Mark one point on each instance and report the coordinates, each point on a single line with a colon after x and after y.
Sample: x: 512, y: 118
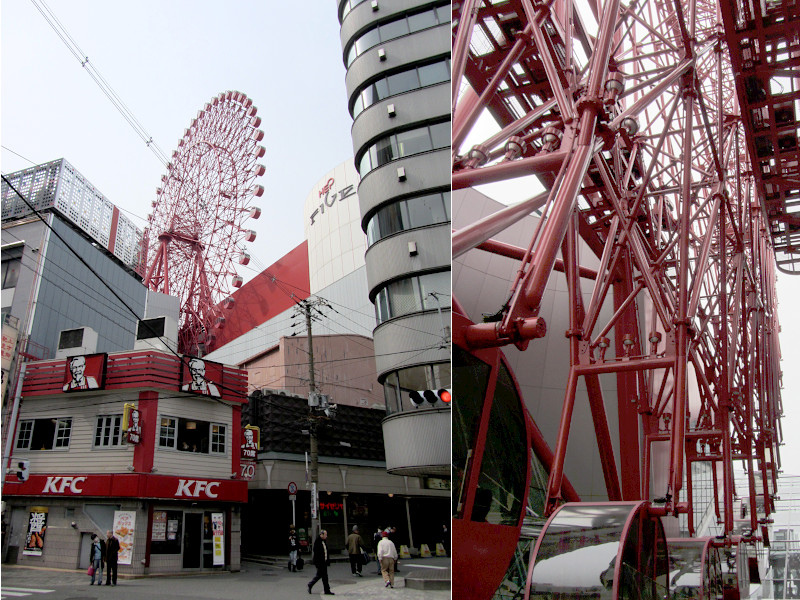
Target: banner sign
x: 250, y: 442
x: 159, y: 532
x: 84, y: 372
x: 131, y: 485
x: 218, y: 530
x: 37, y: 526
x: 201, y: 377
x: 124, y: 526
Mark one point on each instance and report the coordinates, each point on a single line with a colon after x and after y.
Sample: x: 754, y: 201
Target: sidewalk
x: 254, y: 580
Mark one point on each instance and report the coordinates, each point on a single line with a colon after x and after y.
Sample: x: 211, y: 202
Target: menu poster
x: 159, y: 533
x: 172, y: 529
x: 218, y: 529
x: 124, y: 524
x: 37, y: 525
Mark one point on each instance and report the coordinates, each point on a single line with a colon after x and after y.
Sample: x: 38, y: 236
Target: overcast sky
x: 166, y: 59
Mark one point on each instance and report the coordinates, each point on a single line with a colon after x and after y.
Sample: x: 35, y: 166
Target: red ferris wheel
x: 196, y: 231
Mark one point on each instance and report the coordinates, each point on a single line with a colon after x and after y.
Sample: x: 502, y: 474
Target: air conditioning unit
x: 72, y: 342
x: 158, y: 333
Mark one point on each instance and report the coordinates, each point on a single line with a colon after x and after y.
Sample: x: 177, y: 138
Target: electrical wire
x: 97, y: 77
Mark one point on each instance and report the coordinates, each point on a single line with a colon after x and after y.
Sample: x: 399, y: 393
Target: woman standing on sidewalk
x: 387, y: 555
x: 97, y: 559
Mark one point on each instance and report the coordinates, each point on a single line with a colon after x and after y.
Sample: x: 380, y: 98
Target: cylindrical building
x: 397, y: 55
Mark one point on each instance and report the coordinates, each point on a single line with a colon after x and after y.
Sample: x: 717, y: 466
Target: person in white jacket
x: 387, y: 555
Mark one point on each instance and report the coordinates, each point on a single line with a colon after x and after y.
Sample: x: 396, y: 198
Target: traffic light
x: 22, y: 470
x: 417, y: 397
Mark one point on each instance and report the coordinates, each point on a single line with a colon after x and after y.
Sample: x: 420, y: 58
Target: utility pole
x: 312, y: 429
x: 318, y: 409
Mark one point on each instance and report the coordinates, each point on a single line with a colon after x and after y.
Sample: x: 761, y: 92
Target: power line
x: 38, y: 214
x: 97, y: 77
x: 18, y: 154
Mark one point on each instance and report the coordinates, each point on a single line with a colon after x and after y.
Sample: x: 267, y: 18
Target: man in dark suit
x: 112, y: 556
x: 321, y: 561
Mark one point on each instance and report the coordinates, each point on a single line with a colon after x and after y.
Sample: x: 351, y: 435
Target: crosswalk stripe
x: 7, y: 593
x: 31, y: 590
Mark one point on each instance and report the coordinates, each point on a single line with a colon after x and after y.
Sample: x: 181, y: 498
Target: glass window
x: 403, y: 82
x: 358, y: 105
x: 108, y: 431
x: 24, y: 435
x: 471, y: 378
x: 365, y: 166
x: 10, y: 274
x: 368, y: 40
x: 422, y: 21
x: 393, y: 29
x: 406, y: 296
x: 218, y: 439
x: 413, y: 142
x: 166, y: 434
x: 44, y: 434
x: 501, y: 486
x: 440, y: 134
x: 192, y: 435
x: 435, y: 283
x: 63, y: 431
x: 426, y: 210
x: 434, y: 73
x: 384, y: 152
x: 403, y: 296
x: 408, y: 214
x: 443, y: 13
x: 382, y: 312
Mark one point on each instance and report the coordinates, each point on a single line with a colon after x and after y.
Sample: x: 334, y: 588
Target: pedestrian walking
x: 355, y: 550
x: 97, y: 558
x: 294, y: 546
x: 321, y: 561
x: 392, y: 531
x: 112, y: 556
x: 387, y: 556
x: 376, y: 539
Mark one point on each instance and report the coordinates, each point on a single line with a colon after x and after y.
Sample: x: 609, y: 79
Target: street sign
x: 292, y: 488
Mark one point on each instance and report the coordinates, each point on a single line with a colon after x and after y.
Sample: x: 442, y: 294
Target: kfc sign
x: 250, y: 442
x: 59, y: 485
x: 192, y: 488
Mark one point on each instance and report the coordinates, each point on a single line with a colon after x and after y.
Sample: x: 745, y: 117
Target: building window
x: 401, y: 82
x: 10, y: 274
x: 407, y: 143
x: 192, y: 435
x: 396, y: 28
x: 108, y: 431
x: 217, y: 439
x: 166, y: 434
x: 44, y: 434
x: 399, y: 384
x: 431, y: 209
x: 414, y: 294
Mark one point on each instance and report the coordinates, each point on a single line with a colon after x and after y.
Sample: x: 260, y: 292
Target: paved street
x: 254, y: 581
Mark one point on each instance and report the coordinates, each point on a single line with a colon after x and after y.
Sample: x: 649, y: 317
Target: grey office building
x: 397, y: 55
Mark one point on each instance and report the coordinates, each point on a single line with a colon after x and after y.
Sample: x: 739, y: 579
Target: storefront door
x: 192, y: 540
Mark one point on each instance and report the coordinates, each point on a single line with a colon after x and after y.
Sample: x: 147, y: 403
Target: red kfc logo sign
x: 192, y: 488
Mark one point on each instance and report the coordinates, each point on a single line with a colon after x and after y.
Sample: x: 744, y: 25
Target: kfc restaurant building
x: 135, y: 442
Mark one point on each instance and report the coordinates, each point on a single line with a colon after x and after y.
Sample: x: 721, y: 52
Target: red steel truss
x: 197, y: 227
x: 637, y: 131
